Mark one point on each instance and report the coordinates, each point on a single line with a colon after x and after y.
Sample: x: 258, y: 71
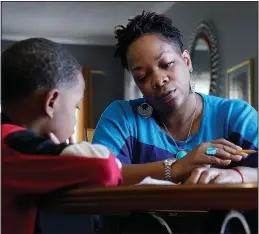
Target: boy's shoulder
x: 25, y: 141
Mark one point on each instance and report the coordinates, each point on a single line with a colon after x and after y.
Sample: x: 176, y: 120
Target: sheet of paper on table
x: 149, y: 180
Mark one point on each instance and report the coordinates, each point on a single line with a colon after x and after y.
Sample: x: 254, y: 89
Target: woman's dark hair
x: 36, y: 64
x: 146, y: 23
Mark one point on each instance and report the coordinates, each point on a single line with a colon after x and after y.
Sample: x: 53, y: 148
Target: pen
x: 248, y: 151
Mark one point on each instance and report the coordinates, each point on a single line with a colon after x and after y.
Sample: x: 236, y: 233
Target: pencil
x: 248, y: 151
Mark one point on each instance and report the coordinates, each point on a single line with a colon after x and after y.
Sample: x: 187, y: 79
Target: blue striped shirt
x: 134, y: 139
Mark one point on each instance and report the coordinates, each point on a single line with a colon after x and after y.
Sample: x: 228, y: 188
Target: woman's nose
x: 159, y: 79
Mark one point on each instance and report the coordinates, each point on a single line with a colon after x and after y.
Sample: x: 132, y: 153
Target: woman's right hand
x: 226, y: 152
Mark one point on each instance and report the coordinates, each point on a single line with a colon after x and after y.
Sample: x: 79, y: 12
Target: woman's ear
x: 187, y: 59
x: 51, y: 102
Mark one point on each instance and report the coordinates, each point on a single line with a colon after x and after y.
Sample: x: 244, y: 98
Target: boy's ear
x: 51, y: 102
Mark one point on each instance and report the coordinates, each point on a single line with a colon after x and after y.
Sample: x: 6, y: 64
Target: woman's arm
x: 115, y: 131
x: 134, y: 173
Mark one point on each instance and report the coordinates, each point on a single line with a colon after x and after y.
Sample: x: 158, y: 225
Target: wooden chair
x: 90, y: 133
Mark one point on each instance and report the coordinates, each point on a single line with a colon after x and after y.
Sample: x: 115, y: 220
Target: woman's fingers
x: 193, y: 179
x: 53, y: 138
x: 219, y: 179
x: 226, y: 143
x: 208, y: 175
x: 215, y: 161
x: 202, y: 175
x: 231, y: 150
x: 226, y: 152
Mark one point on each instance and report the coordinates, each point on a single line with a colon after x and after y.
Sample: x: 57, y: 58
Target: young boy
x: 42, y: 85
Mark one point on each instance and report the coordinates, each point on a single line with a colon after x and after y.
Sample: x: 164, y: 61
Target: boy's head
x: 42, y: 85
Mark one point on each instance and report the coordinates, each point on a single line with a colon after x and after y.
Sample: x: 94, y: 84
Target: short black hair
x: 145, y: 23
x: 36, y: 64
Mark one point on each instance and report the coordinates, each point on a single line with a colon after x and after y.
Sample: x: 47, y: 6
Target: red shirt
x: 33, y: 166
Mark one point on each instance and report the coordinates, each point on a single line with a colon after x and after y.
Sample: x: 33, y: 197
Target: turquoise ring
x: 211, y: 151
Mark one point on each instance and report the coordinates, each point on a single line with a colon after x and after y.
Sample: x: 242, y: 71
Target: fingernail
x: 238, y: 147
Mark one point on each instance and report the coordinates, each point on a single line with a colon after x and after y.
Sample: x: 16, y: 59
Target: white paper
x: 149, y: 180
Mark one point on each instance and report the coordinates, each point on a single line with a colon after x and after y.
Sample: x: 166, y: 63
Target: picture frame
x: 240, y: 79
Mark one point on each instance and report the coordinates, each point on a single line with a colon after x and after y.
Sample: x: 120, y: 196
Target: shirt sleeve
x: 113, y: 131
x: 32, y: 171
x: 243, y: 130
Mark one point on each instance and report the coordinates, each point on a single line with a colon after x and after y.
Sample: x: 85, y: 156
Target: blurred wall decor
x: 240, y: 80
x: 237, y: 36
x: 203, y: 47
x: 131, y: 91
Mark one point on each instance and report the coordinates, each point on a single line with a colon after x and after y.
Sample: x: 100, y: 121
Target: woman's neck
x: 182, y: 122
x: 184, y: 114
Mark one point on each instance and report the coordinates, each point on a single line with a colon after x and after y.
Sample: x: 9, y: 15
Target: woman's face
x: 161, y: 72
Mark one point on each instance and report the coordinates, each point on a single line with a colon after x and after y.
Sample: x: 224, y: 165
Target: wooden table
x: 154, y: 198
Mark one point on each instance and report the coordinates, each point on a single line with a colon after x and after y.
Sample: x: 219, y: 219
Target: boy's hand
x: 53, y: 138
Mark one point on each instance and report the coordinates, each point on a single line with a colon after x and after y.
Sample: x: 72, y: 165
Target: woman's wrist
x: 176, y: 172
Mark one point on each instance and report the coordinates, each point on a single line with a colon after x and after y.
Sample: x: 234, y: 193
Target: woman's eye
x: 167, y: 65
x: 141, y: 79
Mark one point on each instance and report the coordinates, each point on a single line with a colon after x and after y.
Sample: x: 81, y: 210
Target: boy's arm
x: 32, y: 164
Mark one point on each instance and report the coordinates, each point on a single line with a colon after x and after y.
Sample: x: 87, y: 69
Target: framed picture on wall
x: 240, y: 81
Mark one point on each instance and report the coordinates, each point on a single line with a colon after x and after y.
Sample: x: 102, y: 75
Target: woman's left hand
x: 205, y: 175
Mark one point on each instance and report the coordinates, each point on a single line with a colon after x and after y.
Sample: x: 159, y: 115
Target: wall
x: 237, y: 31
x: 105, y: 88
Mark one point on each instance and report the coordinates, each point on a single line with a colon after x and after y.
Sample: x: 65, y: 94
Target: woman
x: 172, y: 121
x: 174, y: 133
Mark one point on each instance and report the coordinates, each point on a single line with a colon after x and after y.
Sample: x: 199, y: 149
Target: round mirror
x: 205, y: 59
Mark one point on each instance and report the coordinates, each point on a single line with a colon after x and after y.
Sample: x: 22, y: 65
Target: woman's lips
x: 169, y: 96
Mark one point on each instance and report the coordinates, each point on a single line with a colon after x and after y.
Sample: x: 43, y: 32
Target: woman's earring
x: 145, y: 110
x: 192, y: 85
